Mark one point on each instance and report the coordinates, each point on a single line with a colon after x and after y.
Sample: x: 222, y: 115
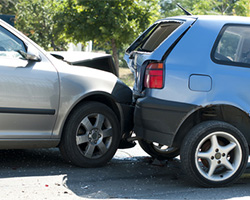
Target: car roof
x: 212, y: 18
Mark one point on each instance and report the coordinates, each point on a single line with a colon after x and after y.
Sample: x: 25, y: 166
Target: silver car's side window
x: 10, y: 44
x: 233, y: 46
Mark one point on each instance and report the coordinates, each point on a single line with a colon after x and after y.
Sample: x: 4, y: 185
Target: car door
x: 29, y: 91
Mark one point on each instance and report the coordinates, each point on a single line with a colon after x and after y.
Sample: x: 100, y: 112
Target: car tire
x: 91, y: 135
x: 156, y: 150
x: 214, y: 154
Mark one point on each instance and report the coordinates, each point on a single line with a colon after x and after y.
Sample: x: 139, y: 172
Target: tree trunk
x: 56, y: 48
x: 115, y: 55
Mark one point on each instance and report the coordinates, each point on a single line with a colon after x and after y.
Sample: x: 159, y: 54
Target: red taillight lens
x: 154, y: 76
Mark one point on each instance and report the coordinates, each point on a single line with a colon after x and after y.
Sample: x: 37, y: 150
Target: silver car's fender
x: 77, y: 83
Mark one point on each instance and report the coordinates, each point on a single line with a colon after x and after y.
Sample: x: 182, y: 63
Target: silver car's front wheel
x: 94, y: 135
x: 214, y: 153
x: 91, y: 135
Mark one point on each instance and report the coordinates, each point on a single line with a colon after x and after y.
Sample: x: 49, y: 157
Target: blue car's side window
x: 10, y: 45
x: 232, y: 46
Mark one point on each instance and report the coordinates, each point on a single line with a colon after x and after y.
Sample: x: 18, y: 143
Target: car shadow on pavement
x: 124, y: 178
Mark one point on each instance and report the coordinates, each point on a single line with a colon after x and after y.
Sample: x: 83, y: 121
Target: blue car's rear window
x: 153, y: 36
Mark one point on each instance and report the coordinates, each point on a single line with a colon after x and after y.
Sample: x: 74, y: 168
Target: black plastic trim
x: 28, y: 111
x: 128, y: 113
x: 122, y: 93
x: 158, y: 120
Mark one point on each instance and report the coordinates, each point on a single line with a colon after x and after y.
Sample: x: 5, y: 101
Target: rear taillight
x: 154, y: 76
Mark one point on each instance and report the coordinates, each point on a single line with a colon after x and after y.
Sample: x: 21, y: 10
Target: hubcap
x: 218, y: 156
x: 94, y: 135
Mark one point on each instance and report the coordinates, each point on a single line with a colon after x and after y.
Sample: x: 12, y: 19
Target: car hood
x: 87, y: 79
x: 77, y: 56
x: 90, y: 59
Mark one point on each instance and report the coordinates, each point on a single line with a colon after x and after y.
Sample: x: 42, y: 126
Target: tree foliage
x: 222, y: 7
x: 36, y: 20
x: 170, y: 8
x: 206, y: 7
x: 109, y: 23
x: 8, y: 7
x: 242, y: 7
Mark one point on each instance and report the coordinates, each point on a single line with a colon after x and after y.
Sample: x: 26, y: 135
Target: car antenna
x: 184, y: 10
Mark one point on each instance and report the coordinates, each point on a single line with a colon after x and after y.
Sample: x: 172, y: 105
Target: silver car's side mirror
x: 31, y: 54
x: 28, y: 56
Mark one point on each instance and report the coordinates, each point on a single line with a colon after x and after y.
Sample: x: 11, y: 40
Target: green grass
x: 126, y: 76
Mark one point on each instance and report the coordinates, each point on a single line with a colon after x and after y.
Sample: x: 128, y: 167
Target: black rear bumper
x: 158, y: 120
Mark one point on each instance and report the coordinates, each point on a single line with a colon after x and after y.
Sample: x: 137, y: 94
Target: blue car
x: 191, y: 91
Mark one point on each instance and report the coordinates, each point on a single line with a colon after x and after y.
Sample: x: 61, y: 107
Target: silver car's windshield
x: 9, y: 45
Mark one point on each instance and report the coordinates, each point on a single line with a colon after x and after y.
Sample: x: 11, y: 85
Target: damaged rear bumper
x: 158, y: 120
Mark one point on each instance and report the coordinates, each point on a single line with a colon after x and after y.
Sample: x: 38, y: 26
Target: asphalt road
x: 131, y: 174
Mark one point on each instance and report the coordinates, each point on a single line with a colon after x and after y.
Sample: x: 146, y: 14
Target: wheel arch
x: 100, y: 97
x: 220, y: 112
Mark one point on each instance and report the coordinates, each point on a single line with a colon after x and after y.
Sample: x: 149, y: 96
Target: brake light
x: 154, y: 76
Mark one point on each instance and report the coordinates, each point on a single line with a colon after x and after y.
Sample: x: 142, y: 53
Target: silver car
x: 44, y: 102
